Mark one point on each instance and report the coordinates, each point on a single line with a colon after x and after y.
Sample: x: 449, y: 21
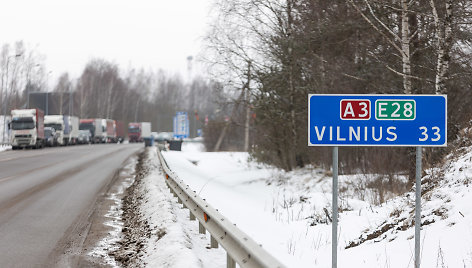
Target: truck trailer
x: 120, y: 131
x: 27, y: 126
x: 111, y: 131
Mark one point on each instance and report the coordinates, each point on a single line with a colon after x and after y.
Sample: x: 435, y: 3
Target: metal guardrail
x: 240, y: 248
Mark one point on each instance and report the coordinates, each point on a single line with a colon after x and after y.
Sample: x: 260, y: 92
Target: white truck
x: 27, y: 128
x: 71, y: 129
x: 98, y: 128
x: 56, y: 122
x: 66, y: 126
x: 146, y: 130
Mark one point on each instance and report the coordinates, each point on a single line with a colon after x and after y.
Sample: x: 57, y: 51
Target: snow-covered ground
x: 175, y: 240
x: 287, y: 212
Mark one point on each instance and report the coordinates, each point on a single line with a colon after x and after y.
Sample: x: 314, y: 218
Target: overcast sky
x: 157, y: 34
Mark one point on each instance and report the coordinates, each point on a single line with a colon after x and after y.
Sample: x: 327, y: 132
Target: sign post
x: 334, y: 227
x: 419, y: 154
x: 377, y: 120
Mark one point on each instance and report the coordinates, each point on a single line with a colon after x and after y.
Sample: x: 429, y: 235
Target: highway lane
x: 47, y: 197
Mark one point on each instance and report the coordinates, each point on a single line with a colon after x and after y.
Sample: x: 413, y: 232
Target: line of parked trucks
x: 30, y: 128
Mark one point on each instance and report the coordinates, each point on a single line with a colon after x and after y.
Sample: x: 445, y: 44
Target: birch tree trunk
x: 443, y: 34
x: 393, y: 38
x: 406, y: 62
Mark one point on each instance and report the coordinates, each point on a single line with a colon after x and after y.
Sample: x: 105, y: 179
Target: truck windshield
x: 55, y: 126
x: 22, y: 123
x: 87, y: 126
x: 133, y: 130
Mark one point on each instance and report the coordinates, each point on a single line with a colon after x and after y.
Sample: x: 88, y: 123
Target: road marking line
x: 6, y: 178
x: 30, y: 155
x: 7, y: 159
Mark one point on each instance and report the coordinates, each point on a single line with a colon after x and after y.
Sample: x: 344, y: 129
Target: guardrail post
x: 230, y: 263
x: 213, y: 242
x: 174, y: 193
x: 201, y: 228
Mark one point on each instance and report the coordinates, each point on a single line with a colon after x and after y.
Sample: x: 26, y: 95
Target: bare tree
x: 444, y: 42
x: 400, y: 40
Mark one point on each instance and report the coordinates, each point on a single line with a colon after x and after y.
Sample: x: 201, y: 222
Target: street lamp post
x: 6, y: 96
x: 47, y: 93
x: 28, y: 87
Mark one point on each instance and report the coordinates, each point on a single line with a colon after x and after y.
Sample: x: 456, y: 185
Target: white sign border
x: 374, y: 95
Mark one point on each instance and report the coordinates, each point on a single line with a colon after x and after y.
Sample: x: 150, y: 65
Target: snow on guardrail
x: 240, y: 248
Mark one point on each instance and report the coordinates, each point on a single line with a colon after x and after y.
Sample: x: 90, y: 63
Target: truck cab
x: 27, y: 126
x: 134, y: 132
x: 97, y: 127
x: 56, y: 122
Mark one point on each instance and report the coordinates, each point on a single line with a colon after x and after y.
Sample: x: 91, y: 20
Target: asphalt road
x: 47, y: 197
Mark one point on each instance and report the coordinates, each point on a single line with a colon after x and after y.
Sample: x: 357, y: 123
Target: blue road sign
x: 377, y: 120
x: 181, y: 125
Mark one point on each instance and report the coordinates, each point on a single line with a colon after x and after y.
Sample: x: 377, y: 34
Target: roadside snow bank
x: 157, y: 231
x: 288, y: 212
x: 175, y: 241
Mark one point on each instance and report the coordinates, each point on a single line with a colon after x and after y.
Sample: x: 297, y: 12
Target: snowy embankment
x: 176, y: 242
x: 289, y: 212
x: 151, y: 229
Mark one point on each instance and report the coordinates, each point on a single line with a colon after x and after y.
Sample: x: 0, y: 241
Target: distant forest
x: 103, y: 90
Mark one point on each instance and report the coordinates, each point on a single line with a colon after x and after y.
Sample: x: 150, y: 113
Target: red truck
x: 27, y: 127
x: 138, y: 131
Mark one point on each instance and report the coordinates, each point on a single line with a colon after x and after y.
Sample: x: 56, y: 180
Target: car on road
x: 51, y: 136
x: 85, y: 136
